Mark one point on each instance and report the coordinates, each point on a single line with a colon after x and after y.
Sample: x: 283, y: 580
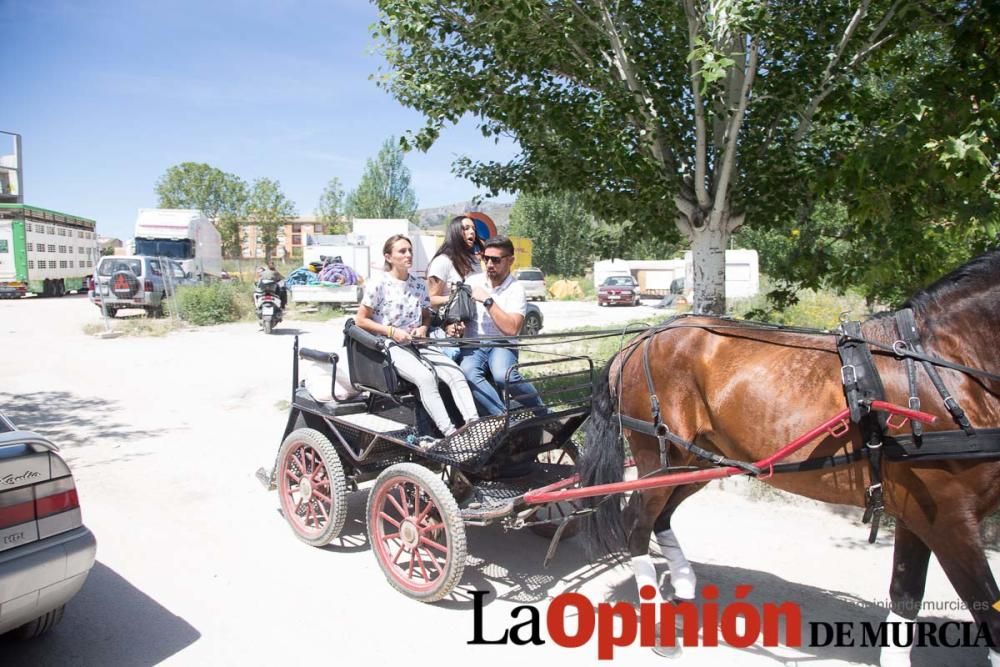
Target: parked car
x: 46, y: 552
x: 533, y: 281
x: 136, y: 282
x: 532, y: 320
x: 618, y: 289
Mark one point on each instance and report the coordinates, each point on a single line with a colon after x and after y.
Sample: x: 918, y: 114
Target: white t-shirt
x: 442, y: 268
x: 509, y: 296
x: 399, y: 303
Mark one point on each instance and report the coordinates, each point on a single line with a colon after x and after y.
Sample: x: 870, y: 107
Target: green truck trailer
x: 44, y: 252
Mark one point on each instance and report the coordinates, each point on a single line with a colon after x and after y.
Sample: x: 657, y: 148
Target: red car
x: 618, y: 290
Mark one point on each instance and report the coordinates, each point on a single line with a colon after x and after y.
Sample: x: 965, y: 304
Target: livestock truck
x: 44, y: 252
x: 185, y: 235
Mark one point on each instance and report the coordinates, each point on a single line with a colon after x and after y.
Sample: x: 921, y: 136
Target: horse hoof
x: 666, y: 650
x: 672, y: 652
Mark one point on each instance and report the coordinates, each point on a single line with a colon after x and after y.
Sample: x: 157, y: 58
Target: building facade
x: 291, y: 238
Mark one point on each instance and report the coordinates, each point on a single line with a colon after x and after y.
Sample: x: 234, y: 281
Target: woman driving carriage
x: 396, y: 305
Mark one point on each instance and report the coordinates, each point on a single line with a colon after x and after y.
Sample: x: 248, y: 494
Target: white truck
x: 44, y: 252
x: 185, y: 235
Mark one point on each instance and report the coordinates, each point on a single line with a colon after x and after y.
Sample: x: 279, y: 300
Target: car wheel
x: 416, y: 532
x: 532, y: 324
x: 555, y: 512
x: 312, y: 487
x: 40, y: 625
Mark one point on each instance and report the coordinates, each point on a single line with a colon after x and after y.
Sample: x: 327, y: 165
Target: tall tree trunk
x: 708, y: 247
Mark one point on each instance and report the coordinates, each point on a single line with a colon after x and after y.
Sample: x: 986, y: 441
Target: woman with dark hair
x: 395, y: 305
x: 454, y: 261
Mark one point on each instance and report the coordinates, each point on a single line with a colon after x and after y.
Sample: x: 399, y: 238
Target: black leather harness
x: 862, y: 385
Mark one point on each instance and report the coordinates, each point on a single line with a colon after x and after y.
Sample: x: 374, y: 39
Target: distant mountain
x: 437, y: 218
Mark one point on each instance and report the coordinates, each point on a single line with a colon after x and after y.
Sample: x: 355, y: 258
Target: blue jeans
x: 480, y: 364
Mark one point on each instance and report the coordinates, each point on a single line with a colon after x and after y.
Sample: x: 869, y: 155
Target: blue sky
x: 107, y: 94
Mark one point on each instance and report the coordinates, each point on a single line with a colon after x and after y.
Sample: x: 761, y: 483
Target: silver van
x: 533, y: 281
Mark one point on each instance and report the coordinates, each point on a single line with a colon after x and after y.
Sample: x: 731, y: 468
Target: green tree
x: 219, y: 195
x: 384, y: 190
x: 270, y: 210
x: 330, y: 210
x: 560, y: 228
x: 686, y: 119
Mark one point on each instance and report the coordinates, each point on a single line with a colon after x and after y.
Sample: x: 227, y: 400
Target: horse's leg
x: 642, y: 516
x: 956, y: 543
x: 682, y: 576
x: 910, y: 557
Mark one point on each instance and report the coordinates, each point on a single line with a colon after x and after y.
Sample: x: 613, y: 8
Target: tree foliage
x: 692, y: 117
x: 270, y: 210
x: 561, y: 230
x: 384, y: 190
x: 911, y: 188
x: 219, y: 195
x: 330, y: 209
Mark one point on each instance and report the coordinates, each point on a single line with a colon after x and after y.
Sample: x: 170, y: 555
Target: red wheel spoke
x: 289, y: 472
x: 409, y: 572
x: 395, y: 559
x: 433, y: 559
x: 416, y: 506
x: 298, y: 506
x: 402, y: 513
x: 302, y: 461
x: 325, y: 499
x: 391, y: 536
x: 434, y: 526
x: 383, y: 515
x: 322, y: 511
x: 426, y: 510
x: 431, y: 543
x: 310, y: 515
x: 402, y: 499
x: 420, y: 562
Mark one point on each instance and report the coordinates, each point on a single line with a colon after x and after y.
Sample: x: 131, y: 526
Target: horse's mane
x: 979, y: 274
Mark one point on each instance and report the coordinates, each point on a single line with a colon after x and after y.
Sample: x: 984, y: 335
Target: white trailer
x: 44, y: 252
x: 185, y: 235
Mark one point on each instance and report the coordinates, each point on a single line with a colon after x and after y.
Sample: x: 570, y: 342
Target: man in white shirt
x: 500, y: 310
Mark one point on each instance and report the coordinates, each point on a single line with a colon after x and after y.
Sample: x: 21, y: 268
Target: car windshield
x: 110, y: 266
x: 530, y: 275
x: 619, y: 281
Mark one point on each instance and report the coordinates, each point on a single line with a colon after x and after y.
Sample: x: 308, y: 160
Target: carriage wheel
x: 566, y: 455
x: 416, y: 532
x: 312, y: 487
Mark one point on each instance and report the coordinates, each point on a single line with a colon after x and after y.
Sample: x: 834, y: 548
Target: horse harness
x: 862, y: 385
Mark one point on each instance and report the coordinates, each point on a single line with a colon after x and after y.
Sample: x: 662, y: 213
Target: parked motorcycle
x: 267, y: 300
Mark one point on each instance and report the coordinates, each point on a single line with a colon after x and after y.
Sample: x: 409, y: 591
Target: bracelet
x: 390, y: 332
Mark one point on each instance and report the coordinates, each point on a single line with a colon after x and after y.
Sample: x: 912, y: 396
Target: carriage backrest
x: 369, y: 365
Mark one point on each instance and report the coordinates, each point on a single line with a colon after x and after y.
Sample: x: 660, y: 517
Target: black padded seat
x: 305, y: 401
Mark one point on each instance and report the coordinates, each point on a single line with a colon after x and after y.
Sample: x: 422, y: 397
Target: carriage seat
x: 369, y: 365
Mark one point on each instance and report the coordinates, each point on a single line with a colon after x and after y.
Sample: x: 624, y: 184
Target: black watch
x: 488, y: 302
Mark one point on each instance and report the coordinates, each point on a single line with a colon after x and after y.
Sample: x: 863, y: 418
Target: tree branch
x: 732, y: 134
x: 700, y: 130
x: 626, y: 71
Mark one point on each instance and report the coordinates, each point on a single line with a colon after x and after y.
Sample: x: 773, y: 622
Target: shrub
x: 214, y: 303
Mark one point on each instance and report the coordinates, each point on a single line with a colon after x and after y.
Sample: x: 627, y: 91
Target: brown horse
x: 742, y: 390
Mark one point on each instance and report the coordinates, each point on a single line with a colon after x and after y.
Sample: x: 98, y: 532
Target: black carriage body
x: 384, y: 425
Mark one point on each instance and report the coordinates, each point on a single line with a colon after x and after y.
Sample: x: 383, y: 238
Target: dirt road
x: 196, y: 565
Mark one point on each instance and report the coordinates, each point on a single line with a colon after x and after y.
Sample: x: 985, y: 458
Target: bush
x: 214, y: 303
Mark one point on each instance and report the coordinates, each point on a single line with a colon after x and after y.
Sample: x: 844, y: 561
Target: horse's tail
x: 602, y: 461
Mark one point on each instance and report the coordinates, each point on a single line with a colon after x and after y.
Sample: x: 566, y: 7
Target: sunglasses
x: 491, y: 259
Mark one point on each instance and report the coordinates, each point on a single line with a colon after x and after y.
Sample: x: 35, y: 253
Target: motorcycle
x: 267, y: 300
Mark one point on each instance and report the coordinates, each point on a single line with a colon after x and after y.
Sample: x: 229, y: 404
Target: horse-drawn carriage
x: 426, y: 489
x: 696, y: 399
